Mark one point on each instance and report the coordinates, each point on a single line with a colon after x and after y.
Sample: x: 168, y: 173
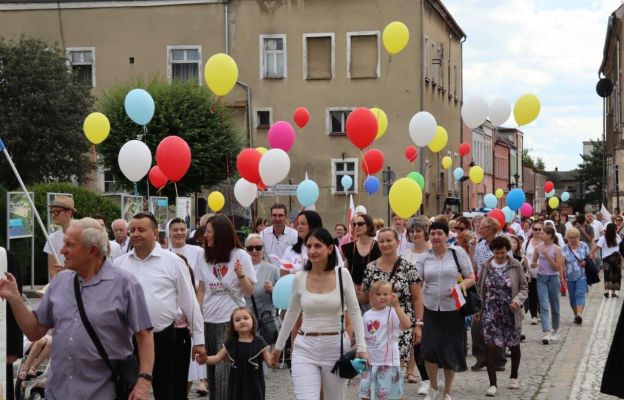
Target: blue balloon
x: 458, y: 173
x: 371, y: 184
x: 307, y: 193
x: 515, y: 199
x: 282, y: 291
x: 346, y: 182
x: 509, y: 214
x: 490, y: 200
x: 565, y: 196
x: 139, y: 106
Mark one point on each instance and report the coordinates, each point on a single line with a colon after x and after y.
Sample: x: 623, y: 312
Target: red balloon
x: 411, y: 153
x: 361, y: 127
x: 173, y: 156
x: 301, y: 116
x: 498, y: 215
x: 372, y: 161
x: 464, y: 149
x: 247, y: 164
x: 157, y: 178
x: 548, y: 187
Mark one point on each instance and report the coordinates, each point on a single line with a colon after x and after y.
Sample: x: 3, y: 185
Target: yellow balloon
x: 476, y: 174
x: 447, y: 162
x: 499, y: 193
x: 395, y: 37
x: 405, y: 197
x: 262, y: 150
x: 439, y: 141
x: 216, y: 201
x: 553, y: 202
x: 526, y: 109
x: 221, y: 74
x: 382, y: 121
x: 96, y: 127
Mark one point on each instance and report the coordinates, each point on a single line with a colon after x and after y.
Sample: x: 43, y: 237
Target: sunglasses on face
x: 537, y: 229
x: 359, y: 223
x: 256, y: 248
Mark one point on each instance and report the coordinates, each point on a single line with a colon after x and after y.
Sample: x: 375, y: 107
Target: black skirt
x: 612, y: 375
x: 443, y: 339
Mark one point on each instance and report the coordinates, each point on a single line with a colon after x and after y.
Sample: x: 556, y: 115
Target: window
x: 425, y: 61
x: 336, y: 120
x: 318, y: 55
x: 82, y: 62
x: 109, y: 181
x: 439, y: 62
x: 363, y: 55
x: 184, y: 63
x: 455, y: 80
x: 432, y: 54
x: 341, y: 167
x: 264, y: 118
x: 273, y: 56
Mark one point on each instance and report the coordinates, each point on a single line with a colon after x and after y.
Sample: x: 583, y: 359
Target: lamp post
x: 617, y: 185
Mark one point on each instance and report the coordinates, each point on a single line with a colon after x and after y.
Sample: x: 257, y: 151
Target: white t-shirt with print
x: 298, y: 261
x: 381, y: 334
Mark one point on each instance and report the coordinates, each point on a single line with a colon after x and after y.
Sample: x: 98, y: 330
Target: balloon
x: 550, y: 194
x: 245, y: 192
x: 526, y: 210
x: 405, y: 197
x: 216, y: 201
x: 372, y: 162
x: 411, y: 153
x: 458, y: 173
x: 548, y: 186
x: 360, y: 210
x: 422, y: 128
x: 262, y: 150
x: 247, y: 164
x: 498, y: 215
x: 509, y: 214
x: 361, y: 127
x: 139, y: 106
x: 134, y: 160
x: 418, y: 178
x: 156, y: 177
x: 439, y: 140
x: 307, y: 193
x: 565, y: 196
x: 301, y: 116
x: 346, y: 182
x: 515, y: 199
x: 475, y: 111
x: 282, y: 291
x: 96, y: 127
x: 371, y: 184
x: 490, y: 200
x: 447, y: 162
x: 382, y: 121
x: 526, y: 109
x: 553, y: 202
x: 500, y: 110
x: 274, y: 166
x: 221, y: 74
x: 499, y: 193
x: 173, y: 156
x: 281, y: 136
x: 395, y: 37
x: 464, y: 149
x: 476, y: 174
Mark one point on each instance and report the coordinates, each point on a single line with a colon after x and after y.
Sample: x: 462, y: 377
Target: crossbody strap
x: 253, y: 301
x: 577, y: 259
x: 342, y: 329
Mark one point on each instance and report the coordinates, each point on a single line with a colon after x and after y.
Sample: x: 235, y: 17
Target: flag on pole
x: 606, y: 215
x: 284, y: 264
x: 351, y: 211
x: 458, y: 296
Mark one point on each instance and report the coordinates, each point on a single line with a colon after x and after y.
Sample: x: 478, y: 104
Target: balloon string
x: 176, y: 190
x: 136, y: 191
x: 94, y: 155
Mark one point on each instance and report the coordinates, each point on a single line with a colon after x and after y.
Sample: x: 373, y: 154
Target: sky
x: 552, y: 48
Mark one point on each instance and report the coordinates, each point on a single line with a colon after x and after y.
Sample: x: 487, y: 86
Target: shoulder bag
x: 591, y: 270
x: 268, y: 325
x: 473, y: 300
x: 125, y: 372
x: 343, y: 367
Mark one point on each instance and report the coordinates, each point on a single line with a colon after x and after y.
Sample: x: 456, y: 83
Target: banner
x: 159, y: 206
x: 130, y: 205
x: 183, y: 210
x: 20, y: 217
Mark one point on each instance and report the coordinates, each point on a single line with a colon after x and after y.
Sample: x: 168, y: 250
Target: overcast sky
x: 552, y: 48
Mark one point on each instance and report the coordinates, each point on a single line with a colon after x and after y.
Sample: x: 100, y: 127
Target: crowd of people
x: 197, y: 306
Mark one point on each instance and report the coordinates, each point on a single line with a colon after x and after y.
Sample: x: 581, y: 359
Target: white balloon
x: 422, y: 128
x: 274, y: 166
x: 245, y: 192
x: 475, y: 111
x: 500, y: 110
x: 135, y: 160
x: 360, y: 209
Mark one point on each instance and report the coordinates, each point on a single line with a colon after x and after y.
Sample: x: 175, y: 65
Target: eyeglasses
x: 54, y: 213
x: 256, y: 248
x: 359, y: 223
x: 537, y: 229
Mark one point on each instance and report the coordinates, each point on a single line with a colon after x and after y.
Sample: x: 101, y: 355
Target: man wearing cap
x: 62, y: 210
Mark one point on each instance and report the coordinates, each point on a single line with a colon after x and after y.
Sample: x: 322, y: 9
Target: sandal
x: 412, y: 378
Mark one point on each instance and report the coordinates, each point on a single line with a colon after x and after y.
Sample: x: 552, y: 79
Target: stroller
x: 32, y: 388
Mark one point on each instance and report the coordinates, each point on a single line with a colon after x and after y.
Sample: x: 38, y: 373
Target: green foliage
x: 42, y: 109
x: 590, y: 172
x: 529, y: 161
x: 183, y: 109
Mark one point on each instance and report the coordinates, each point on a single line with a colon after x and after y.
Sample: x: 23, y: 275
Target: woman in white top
x: 611, y: 259
x: 534, y: 240
x: 316, y: 294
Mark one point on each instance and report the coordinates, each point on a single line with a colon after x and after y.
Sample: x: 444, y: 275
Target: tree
x: 183, y: 109
x: 528, y: 161
x: 590, y: 172
x: 42, y: 108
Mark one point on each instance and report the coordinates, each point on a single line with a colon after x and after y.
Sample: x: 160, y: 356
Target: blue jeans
x: 576, y: 292
x: 548, y: 292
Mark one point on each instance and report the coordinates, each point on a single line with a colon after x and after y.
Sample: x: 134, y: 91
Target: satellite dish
x: 604, y: 87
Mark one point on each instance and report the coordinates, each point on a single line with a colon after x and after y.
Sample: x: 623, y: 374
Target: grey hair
x: 93, y: 234
x: 253, y: 236
x: 119, y: 219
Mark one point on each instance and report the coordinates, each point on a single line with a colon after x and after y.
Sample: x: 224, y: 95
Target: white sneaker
x: 534, y: 321
x: 513, y: 384
x: 432, y: 395
x: 491, y: 392
x: 447, y: 397
x: 554, y: 336
x: 424, y: 388
x: 546, y: 338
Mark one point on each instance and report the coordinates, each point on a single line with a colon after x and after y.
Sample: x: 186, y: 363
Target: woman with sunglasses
x: 267, y: 274
x: 533, y: 241
x: 363, y: 251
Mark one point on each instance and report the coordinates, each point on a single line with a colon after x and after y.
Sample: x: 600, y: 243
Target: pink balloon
x: 281, y: 136
x: 526, y: 210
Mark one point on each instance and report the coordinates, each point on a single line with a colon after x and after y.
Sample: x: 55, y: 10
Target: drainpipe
x: 226, y: 26
x: 249, y: 119
x: 461, y: 126
x: 422, y: 71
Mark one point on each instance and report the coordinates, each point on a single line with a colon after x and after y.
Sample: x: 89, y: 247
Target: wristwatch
x: 146, y: 376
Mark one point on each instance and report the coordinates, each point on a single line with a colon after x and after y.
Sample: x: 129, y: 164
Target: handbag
x: 591, y: 270
x: 473, y: 300
x: 343, y: 367
x: 268, y: 326
x: 125, y: 372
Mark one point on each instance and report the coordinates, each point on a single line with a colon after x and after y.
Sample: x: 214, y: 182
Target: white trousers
x: 312, y: 361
